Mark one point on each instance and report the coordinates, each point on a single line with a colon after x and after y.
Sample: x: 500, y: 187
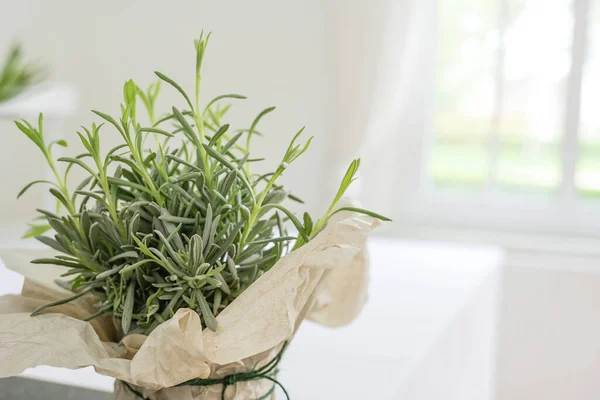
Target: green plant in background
x: 17, y: 75
x: 179, y: 222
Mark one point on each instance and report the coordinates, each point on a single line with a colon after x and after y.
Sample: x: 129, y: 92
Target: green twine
x: 268, y: 371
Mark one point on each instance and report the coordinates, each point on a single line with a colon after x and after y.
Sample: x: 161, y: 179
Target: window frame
x: 491, y: 209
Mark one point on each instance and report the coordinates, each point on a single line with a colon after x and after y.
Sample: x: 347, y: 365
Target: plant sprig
x: 179, y: 223
x: 16, y: 75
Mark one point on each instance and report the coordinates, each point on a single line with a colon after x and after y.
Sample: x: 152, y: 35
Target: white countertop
x: 417, y: 290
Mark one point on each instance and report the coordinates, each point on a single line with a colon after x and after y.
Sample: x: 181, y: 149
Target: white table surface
x: 427, y: 331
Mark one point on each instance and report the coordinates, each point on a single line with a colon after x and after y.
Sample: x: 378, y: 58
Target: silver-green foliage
x: 179, y: 223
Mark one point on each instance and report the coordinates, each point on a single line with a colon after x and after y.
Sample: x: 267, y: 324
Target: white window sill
x: 549, y: 251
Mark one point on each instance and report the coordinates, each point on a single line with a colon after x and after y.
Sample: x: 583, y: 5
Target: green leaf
x: 60, y: 197
x: 109, y: 272
x: 156, y: 130
x: 362, y: 211
x: 210, y: 239
x: 346, y: 181
x: 224, y: 96
x: 222, y: 130
x: 111, y: 120
x: 219, y: 157
x: 77, y: 161
x: 273, y: 240
x: 52, y: 243
x: 176, y: 86
x: 56, y: 261
x: 195, y: 252
x: 297, y: 224
x: 183, y: 162
x: 36, y: 230
x: 308, y: 223
x: 134, y: 167
x: 60, y: 302
x: 94, y: 196
x: 224, y: 246
x: 61, y: 143
x: 32, y: 134
x: 130, y: 97
x: 112, y: 151
x: 128, y: 307
x: 30, y: 184
x: 127, y: 254
x: 295, y: 198
x: 187, y: 128
x: 251, y: 131
x: 134, y: 266
x: 231, y: 142
x: 177, y: 220
x: 207, y: 315
x: 122, y: 182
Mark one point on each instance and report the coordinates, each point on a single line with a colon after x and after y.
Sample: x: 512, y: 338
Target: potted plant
x: 187, y: 273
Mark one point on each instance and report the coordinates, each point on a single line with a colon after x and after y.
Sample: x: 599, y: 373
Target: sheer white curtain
x: 379, y: 57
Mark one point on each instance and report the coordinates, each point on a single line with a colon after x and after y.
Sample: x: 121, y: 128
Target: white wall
x: 274, y: 52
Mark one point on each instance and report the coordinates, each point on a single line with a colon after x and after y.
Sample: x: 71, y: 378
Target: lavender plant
x: 181, y: 222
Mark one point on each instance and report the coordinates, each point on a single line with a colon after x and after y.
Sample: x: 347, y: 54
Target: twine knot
x: 268, y: 371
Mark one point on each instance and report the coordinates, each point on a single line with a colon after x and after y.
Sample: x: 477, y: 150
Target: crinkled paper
x: 325, y: 280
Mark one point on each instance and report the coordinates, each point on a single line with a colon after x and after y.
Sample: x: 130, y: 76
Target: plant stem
x: 199, y: 119
x: 112, y: 203
x: 142, y: 170
x: 258, y: 205
x: 64, y: 190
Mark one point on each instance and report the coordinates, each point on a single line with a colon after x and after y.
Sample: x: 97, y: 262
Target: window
x: 501, y: 81
x: 514, y: 116
x: 587, y: 177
